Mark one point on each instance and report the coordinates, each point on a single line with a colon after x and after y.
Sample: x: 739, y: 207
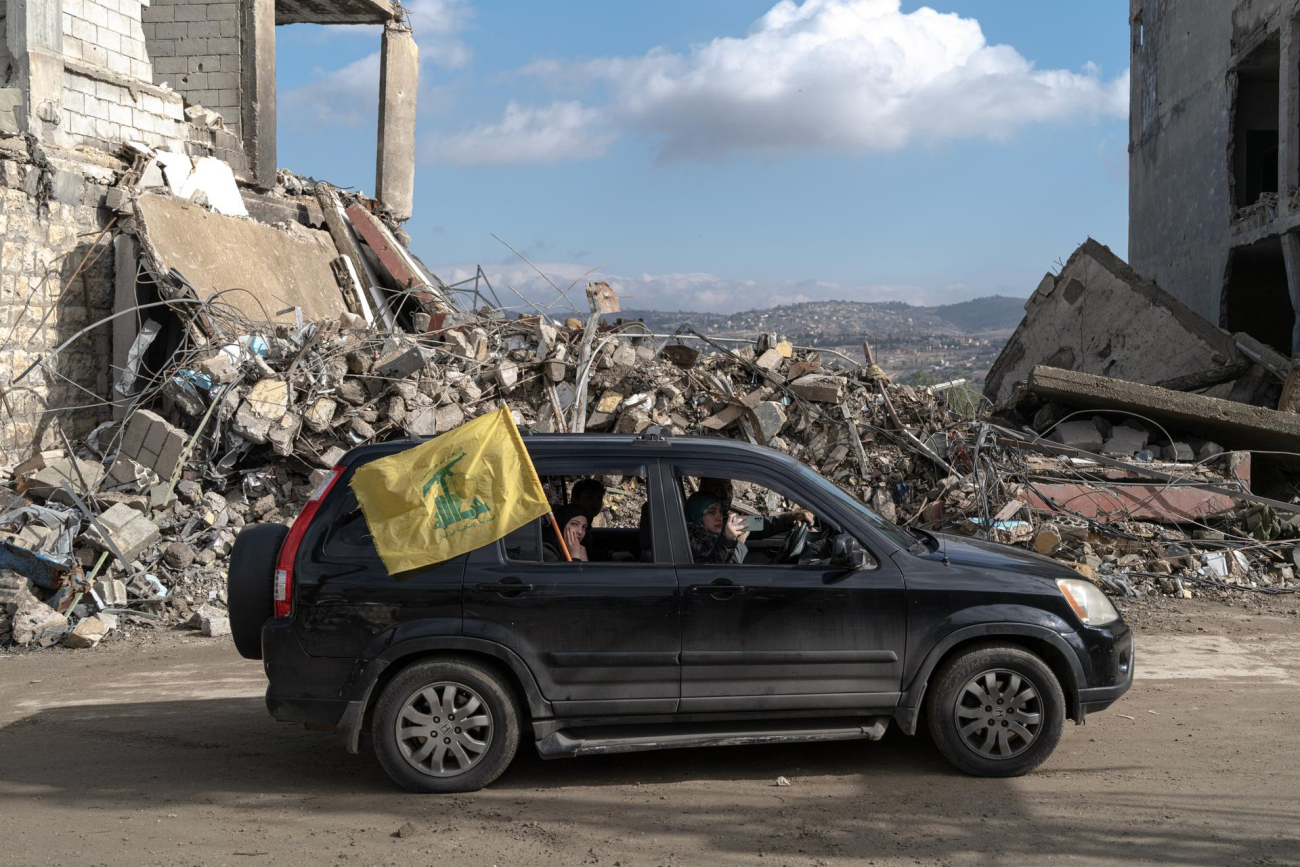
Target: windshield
x: 886, y: 528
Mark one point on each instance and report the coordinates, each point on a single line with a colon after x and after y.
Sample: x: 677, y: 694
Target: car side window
x: 602, y: 513
x: 349, y: 534
x: 744, y: 520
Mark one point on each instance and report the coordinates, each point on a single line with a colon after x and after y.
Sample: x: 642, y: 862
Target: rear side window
x: 349, y: 537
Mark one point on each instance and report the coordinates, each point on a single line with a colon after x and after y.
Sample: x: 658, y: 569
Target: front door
x: 601, y: 637
x: 758, y: 635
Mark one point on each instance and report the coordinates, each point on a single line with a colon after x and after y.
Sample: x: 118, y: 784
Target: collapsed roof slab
x: 260, y: 271
x: 1098, y: 316
x: 334, y: 11
x: 1233, y: 425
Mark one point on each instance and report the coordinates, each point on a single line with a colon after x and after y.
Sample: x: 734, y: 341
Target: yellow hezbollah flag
x: 457, y: 492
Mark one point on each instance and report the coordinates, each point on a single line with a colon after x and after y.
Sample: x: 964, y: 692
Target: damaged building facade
x: 1214, y: 165
x: 81, y: 81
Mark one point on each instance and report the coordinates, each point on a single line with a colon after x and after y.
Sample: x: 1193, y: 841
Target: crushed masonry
x: 238, y: 381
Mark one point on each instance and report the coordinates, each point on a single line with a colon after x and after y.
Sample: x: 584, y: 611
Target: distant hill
x: 835, y: 323
x: 991, y: 313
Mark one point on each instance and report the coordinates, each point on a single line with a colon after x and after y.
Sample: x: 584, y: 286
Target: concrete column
x: 1291, y: 258
x: 126, y: 259
x: 1288, y: 141
x: 34, y: 33
x: 258, y: 77
x: 399, y: 78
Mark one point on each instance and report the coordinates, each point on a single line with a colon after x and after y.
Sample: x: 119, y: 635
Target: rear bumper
x: 302, y: 688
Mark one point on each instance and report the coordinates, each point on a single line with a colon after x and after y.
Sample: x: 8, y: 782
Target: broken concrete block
x: 1079, y: 435
x: 169, y: 456
x: 220, y: 368
x: 130, y: 531
x: 421, y: 421
x: 605, y: 409
x: 320, y: 414
x: 331, y: 457
x: 771, y: 419
x: 819, y: 387
x: 111, y: 592
x: 1124, y: 441
x: 1179, y: 452
x: 185, y: 395
x: 125, y: 471
x: 281, y: 434
x: 46, y: 483
x: 268, y: 398
x: 1047, y: 540
x: 214, y: 627
x: 178, y: 555
x: 88, y: 633
x: 506, y: 374
x: 624, y: 355
x: 449, y: 417
x: 770, y: 360
x: 400, y: 363
x: 36, y: 623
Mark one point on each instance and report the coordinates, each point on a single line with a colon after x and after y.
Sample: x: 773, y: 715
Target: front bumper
x: 1098, y: 698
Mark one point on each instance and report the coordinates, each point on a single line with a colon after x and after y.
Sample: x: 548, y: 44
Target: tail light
x: 283, y: 593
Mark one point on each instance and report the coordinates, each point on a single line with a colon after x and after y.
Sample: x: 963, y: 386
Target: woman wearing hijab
x: 716, y: 537
x: 573, y: 526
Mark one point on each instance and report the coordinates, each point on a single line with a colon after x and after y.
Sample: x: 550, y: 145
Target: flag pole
x: 560, y: 536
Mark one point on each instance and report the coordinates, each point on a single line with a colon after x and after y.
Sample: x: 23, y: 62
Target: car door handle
x: 717, y: 589
x: 503, y: 587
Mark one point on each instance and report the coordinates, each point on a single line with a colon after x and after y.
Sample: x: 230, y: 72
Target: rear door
x: 777, y: 637
x: 600, y: 638
x: 345, y: 598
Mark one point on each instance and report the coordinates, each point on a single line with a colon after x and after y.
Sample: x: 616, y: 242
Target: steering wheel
x: 795, y: 541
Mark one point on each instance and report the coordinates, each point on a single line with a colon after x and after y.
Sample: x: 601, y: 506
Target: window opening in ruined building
x: 1256, y: 298
x: 1255, y: 125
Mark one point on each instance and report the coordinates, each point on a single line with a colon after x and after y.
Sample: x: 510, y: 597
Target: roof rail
x: 654, y: 435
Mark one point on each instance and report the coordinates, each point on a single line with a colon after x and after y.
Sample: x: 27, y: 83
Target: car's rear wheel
x: 446, y: 726
x: 249, y: 584
x: 996, y: 711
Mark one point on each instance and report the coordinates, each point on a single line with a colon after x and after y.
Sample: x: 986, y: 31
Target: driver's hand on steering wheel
x: 801, y: 516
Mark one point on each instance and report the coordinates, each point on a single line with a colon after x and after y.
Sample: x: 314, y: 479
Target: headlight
x: 1088, y: 601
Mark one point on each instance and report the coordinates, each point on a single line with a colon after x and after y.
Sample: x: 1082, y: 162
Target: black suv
x: 829, y: 626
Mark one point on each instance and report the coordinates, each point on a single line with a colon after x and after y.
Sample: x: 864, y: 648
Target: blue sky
x: 733, y: 154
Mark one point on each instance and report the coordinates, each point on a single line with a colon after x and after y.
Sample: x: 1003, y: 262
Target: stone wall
x: 196, y: 50
x: 107, y: 34
x: 100, y: 108
x: 49, y: 218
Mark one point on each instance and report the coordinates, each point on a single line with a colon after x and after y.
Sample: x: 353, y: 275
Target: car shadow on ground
x: 856, y: 799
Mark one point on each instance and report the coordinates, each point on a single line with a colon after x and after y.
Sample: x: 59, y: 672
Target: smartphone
x: 751, y: 523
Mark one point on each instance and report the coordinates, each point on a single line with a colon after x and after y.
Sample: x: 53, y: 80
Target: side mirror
x: 848, y: 553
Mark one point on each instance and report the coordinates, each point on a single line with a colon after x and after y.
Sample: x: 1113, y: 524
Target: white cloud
x: 692, y: 291
x: 560, y: 131
x: 349, y: 95
x: 845, y: 75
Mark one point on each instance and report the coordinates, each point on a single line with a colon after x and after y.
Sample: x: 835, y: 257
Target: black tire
x: 249, y: 584
x: 413, y: 684
x: 956, y: 712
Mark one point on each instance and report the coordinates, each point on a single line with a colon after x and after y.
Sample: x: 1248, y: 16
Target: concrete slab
x: 272, y: 270
x: 1235, y: 425
x: 1098, y: 316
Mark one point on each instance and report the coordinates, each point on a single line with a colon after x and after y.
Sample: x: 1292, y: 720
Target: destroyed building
x: 1214, y: 160
x: 79, y: 79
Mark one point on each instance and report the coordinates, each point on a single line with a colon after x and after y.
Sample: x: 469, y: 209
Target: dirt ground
x: 160, y: 752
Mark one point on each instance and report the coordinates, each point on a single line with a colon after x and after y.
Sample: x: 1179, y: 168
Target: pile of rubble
x: 133, y: 526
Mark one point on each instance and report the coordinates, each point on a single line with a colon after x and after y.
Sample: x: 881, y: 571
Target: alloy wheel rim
x: 998, y: 714
x: 444, y: 729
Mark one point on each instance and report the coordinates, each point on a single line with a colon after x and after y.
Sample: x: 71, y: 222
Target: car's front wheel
x: 996, y: 711
x: 446, y: 726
